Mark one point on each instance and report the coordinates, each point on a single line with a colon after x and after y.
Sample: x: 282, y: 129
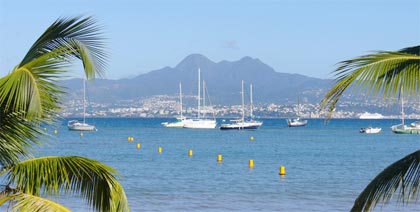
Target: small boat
x: 370, y: 130
x: 81, y: 126
x: 402, y: 128
x: 242, y: 124
x: 416, y: 124
x: 296, y: 122
x: 180, y: 121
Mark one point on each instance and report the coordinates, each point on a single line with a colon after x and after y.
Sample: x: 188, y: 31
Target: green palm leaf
x: 16, y: 138
x: 54, y: 175
x: 382, y: 73
x: 403, y: 174
x: 31, y: 87
x: 26, y: 202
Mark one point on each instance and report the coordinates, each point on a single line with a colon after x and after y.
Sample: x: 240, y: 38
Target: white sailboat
x: 296, y: 122
x: 403, y: 128
x: 180, y: 121
x: 242, y: 124
x: 200, y: 122
x: 81, y: 126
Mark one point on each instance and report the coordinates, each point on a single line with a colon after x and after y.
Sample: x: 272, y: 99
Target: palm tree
x: 30, y: 96
x: 383, y: 73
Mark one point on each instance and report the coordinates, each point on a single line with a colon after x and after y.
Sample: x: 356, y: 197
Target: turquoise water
x: 327, y: 166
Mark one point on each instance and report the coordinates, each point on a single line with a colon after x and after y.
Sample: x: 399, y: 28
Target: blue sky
x: 306, y: 37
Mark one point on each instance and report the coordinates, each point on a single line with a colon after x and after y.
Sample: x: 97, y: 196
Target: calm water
x: 327, y: 166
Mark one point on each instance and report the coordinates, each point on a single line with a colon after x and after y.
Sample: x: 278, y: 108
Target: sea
x: 327, y: 164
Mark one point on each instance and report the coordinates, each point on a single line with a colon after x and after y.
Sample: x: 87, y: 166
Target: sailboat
x: 200, y: 122
x: 296, y: 122
x: 402, y: 128
x: 242, y: 124
x: 180, y: 121
x: 81, y: 126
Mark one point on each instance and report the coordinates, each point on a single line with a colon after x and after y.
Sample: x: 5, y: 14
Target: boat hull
x: 200, y: 124
x: 78, y: 126
x: 296, y: 122
x: 241, y: 126
x: 370, y: 130
x: 177, y: 124
x: 404, y: 129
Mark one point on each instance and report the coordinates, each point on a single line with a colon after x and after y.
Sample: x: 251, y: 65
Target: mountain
x: 223, y: 80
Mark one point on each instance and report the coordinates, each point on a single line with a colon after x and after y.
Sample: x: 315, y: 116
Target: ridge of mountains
x: 223, y: 82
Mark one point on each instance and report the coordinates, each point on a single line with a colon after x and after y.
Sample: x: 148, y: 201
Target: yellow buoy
x: 282, y: 170
x: 190, y: 153
x: 45, y: 128
x: 138, y: 146
x: 251, y: 138
x: 219, y: 158
x: 81, y: 134
x: 160, y: 149
x: 55, y: 131
x: 130, y: 138
x: 251, y: 163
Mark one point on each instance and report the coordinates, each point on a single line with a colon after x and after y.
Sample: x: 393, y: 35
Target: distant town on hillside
x: 168, y: 106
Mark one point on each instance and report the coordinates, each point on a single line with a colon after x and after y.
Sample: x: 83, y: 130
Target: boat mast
x: 84, y: 100
x: 180, y: 98
x: 250, y: 91
x: 243, y: 106
x: 204, y: 98
x: 402, y: 108
x: 298, y: 113
x: 198, y: 95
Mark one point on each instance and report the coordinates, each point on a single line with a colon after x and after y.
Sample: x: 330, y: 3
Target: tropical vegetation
x: 390, y: 74
x: 31, y: 97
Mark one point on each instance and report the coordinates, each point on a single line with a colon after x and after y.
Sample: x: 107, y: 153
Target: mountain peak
x: 246, y: 58
x: 194, y: 60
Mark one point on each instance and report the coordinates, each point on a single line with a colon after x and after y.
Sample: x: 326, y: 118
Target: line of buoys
x: 282, y: 171
x: 251, y: 163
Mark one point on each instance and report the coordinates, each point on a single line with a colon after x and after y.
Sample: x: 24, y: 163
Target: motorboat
x: 370, y: 130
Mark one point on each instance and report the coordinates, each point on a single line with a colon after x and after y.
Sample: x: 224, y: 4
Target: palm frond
x: 27, y: 202
x: 403, y: 175
x: 91, y: 179
x: 16, y: 138
x: 374, y: 74
x: 81, y: 36
x: 31, y: 87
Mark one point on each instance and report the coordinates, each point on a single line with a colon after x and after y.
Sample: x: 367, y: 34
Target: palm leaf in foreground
x: 403, y: 175
x: 54, y: 175
x: 381, y: 73
x: 27, y: 202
